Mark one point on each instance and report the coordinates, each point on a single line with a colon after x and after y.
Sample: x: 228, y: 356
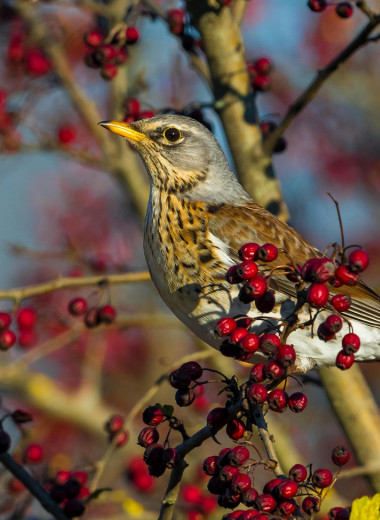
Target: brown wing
x: 238, y: 225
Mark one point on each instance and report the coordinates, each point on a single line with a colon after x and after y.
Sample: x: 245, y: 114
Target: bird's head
x: 181, y: 156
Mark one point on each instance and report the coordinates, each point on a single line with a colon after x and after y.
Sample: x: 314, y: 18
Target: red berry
x: 340, y: 455
x: 227, y: 473
x: 235, y: 429
x: 7, y: 339
x: 108, y: 71
x: 222, y: 457
x: 146, y: 114
x: 191, y: 494
x: 344, y: 361
x: 344, y: 10
x: 263, y: 66
x: 277, y: 400
x: 266, y: 503
x: 257, y: 373
x: 339, y: 513
x: 249, y: 496
x: 80, y: 476
x: 271, y: 486
x: 93, y: 38
x: 358, y: 259
x: 191, y: 370
x: 351, y: 343
x: 345, y: 276
x: 91, y: 317
x: 322, y: 478
x: 267, y: 253
x: 237, y: 456
x: 62, y: 477
x: 262, y: 83
x: 248, y: 251
x: 148, y: 436
x: 341, y: 302
x: 37, y: 63
x: 229, y: 499
x: 318, y: 270
x: 298, y: 473
x: 153, y: 415
x: 114, y: 424
x: 333, y: 323
x: 269, y: 343
x: 232, y: 275
x: 26, y: 318
x: 238, y: 334
x: 67, y: 134
x: 317, y: 295
x: 132, y: 106
x: 287, y: 489
x: 72, y: 488
x: 210, y: 466
x: 217, y: 418
x: 32, y: 454
x: 324, y: 334
x: 310, y: 505
x: 272, y: 370
x: 266, y: 302
x: 171, y: 458
x: 240, y: 482
x: 176, y: 20
x: 297, y: 402
x: 27, y: 338
x: 184, y: 397
x: 77, y: 306
x: 247, y: 269
x: 225, y: 326
x: 256, y: 393
x: 249, y: 344
x: 5, y: 320
x: 132, y: 35
x: 317, y: 5
x: 286, y: 355
x: 253, y: 289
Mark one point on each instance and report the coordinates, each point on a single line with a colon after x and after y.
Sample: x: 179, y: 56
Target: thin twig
x: 262, y: 427
x: 339, y: 217
x: 311, y: 91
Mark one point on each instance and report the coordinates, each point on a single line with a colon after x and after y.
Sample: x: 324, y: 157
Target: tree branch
x: 267, y: 438
x: 311, y: 91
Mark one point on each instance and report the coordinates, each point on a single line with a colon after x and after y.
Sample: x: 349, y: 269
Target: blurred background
x: 67, y: 217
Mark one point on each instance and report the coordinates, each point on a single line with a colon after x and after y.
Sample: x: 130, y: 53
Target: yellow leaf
x: 133, y: 508
x: 366, y: 508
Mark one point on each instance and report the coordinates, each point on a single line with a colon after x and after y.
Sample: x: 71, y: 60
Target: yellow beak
x: 123, y: 129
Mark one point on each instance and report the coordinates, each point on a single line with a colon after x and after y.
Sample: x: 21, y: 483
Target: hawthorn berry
x: 235, y: 429
x: 225, y: 326
x: 266, y: 503
x: 240, y: 482
x: 358, y: 259
x: 340, y: 455
x: 297, y: 402
x: 114, y: 424
x: 286, y: 355
x: 171, y: 457
x: 266, y: 302
x: 341, y: 302
x: 77, y: 306
x: 80, y: 476
x: 93, y: 38
x: 237, y: 456
x: 262, y: 83
x: 58, y: 492
x: 317, y: 295
x: 232, y: 276
x: 217, y: 418
x: 121, y: 56
x: 273, y: 371
x: 249, y: 496
x: 91, y: 318
x: 132, y: 106
x: 237, y: 335
x: 247, y: 269
x: 146, y: 114
x: 37, y: 63
x: 277, y: 400
x: 344, y: 361
x: 317, y: 5
x: 310, y: 504
x: 271, y: 486
x: 132, y: 35
x: 191, y: 370
x: 344, y: 9
x: 345, y: 276
x: 252, y: 289
x: 26, y: 318
x: 67, y: 134
x: 298, y: 473
x: 109, y: 71
x: 322, y: 478
x: 339, y: 513
x: 248, y: 251
x: 176, y: 20
x: 269, y: 343
x: 73, y: 508
x: 7, y: 339
x: 287, y: 489
x: 263, y: 66
x: 32, y: 454
x: 318, y: 270
x: 178, y: 380
x: 256, y: 393
x: 229, y: 499
x: 249, y: 344
x: 324, y: 334
x: 152, y: 416
x: 267, y: 253
x: 5, y: 320
x: 72, y: 488
x: 227, y: 473
x: 215, y: 485
x: 333, y: 323
x: 210, y: 465
x: 351, y: 343
x: 257, y: 373
x: 287, y: 506
x: 148, y: 437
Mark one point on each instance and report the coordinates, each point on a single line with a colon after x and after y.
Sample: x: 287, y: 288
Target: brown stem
x: 267, y: 439
x: 311, y: 91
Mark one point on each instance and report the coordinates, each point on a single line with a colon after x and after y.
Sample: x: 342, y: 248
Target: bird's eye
x: 172, y: 134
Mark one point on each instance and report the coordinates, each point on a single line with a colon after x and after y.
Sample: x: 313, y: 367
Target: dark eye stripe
x: 172, y: 134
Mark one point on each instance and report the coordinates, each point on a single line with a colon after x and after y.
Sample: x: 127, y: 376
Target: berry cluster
x: 117, y: 435
x: 68, y: 489
x: 310, y: 281
x: 133, y: 111
x: 181, y: 380
x: 26, y: 56
x: 10, y: 138
x: 26, y: 320
x: 259, y: 72
x: 108, y: 55
x: 200, y: 502
x: 93, y: 316
x: 342, y: 9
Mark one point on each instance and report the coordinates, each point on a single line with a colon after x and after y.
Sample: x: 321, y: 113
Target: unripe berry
x: 253, y: 289
x: 287, y: 489
x: 322, y: 478
x: 266, y: 302
x: 273, y: 371
x: 257, y: 373
x: 340, y: 455
x: 248, y: 251
x: 286, y: 355
x: 317, y: 295
x: 77, y: 306
x: 5, y: 320
x: 318, y: 270
x: 238, y: 456
x: 210, y: 466
x: 249, y: 496
x: 267, y: 253
x: 256, y: 393
x: 225, y: 326
x: 184, y: 397
x: 32, y: 454
x: 235, y: 429
x: 317, y: 5
x: 298, y: 473
x: 351, y: 343
x: 297, y: 402
x: 345, y: 276
x: 7, y: 339
x: 217, y: 418
x: 266, y: 503
x: 148, y: 437
x: 333, y: 323
x: 344, y: 10
x: 191, y: 370
x: 341, y: 302
x: 358, y: 259
x: 240, y: 482
x: 153, y: 415
x: 277, y: 400
x: 310, y: 505
x: 344, y: 361
x: 269, y: 343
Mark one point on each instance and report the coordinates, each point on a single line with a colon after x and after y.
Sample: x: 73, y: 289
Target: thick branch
x: 33, y: 486
x: 312, y: 90
x: 30, y: 291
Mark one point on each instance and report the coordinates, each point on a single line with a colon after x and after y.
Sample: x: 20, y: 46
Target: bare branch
x: 267, y: 439
x: 238, y: 9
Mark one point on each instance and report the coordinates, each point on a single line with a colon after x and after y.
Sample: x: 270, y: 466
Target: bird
x: 197, y: 219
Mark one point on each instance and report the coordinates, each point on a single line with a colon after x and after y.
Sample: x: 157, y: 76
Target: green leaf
x: 168, y: 410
